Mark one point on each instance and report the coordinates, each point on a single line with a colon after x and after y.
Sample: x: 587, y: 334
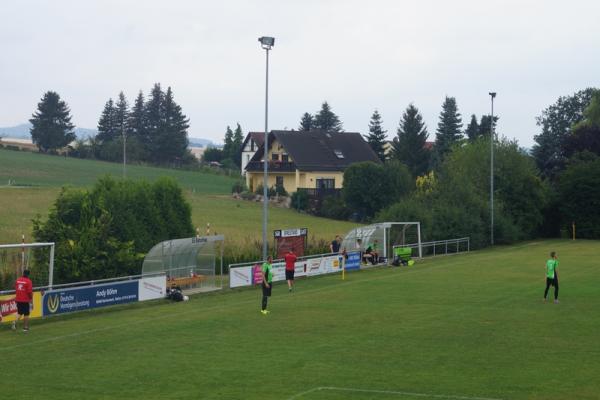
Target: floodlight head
x: 266, y: 42
x: 493, y: 94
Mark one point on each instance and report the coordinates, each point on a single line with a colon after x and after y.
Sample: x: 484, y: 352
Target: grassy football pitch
x: 468, y: 327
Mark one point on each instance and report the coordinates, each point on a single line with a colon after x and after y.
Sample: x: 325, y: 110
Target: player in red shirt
x: 290, y: 261
x: 23, y: 298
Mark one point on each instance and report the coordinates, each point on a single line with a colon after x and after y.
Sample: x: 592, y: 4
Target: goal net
x: 38, y: 258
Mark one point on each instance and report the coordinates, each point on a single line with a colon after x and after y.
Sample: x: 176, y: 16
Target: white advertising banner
x: 152, y: 288
x: 240, y: 276
x: 249, y: 275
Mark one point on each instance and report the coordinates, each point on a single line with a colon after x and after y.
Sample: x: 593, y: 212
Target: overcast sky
x: 357, y: 55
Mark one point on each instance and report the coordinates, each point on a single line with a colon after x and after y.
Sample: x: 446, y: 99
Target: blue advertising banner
x: 353, y: 261
x: 84, y: 298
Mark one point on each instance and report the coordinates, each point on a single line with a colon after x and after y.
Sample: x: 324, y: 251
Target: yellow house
x: 313, y: 160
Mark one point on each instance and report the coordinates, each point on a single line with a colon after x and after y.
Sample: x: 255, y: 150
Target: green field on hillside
x: 469, y: 326
x: 35, y: 169
x: 208, y: 194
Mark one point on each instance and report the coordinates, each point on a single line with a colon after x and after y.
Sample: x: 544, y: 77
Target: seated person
x: 368, y: 255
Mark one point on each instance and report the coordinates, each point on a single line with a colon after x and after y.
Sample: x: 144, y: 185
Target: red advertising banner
x: 7, y: 307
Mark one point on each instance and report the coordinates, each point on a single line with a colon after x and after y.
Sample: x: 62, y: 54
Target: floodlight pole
x: 492, y: 95
x: 266, y: 43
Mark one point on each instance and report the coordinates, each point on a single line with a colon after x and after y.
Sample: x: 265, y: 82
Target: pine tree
x: 449, y: 128
x: 485, y: 126
x: 121, y: 115
x: 154, y: 115
x: 238, y: 139
x: 171, y: 137
x: 327, y: 120
x: 52, y: 128
x: 376, y: 136
x: 228, y: 144
x: 409, y: 144
x: 306, y: 123
x: 137, y: 118
x: 107, y: 130
x: 472, y: 131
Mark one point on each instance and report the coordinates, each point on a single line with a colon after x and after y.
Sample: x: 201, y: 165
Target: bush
x: 280, y: 190
x: 104, y: 232
x: 300, y: 200
x: 334, y: 208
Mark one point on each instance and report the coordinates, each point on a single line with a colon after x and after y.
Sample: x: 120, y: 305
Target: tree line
x: 152, y: 131
x: 539, y: 192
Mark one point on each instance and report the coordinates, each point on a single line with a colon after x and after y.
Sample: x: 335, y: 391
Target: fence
x: 442, y: 247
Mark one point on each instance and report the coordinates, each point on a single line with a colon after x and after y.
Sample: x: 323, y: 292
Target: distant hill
x: 22, y: 132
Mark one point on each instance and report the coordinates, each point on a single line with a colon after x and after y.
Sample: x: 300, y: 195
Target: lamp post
x: 492, y: 95
x: 266, y: 43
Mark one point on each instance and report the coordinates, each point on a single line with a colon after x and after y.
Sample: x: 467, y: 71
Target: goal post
x: 36, y: 257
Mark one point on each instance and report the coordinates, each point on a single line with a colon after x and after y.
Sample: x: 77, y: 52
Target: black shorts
x: 550, y: 281
x: 267, y: 290
x: 289, y: 275
x: 23, y: 308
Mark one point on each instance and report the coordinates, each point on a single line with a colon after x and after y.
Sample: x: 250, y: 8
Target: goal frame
x: 23, y: 246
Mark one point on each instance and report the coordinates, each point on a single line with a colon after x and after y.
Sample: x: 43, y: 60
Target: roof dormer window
x: 338, y: 153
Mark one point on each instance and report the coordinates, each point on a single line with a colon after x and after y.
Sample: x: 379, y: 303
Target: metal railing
x: 442, y: 247
x: 279, y: 260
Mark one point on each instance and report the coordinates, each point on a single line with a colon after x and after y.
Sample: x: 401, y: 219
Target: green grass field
x: 469, y: 326
x: 41, y: 177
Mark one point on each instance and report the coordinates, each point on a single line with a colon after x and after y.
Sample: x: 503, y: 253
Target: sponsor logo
x: 153, y: 288
x: 53, y: 303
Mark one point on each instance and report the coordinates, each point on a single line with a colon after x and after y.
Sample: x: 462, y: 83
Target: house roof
x: 322, y: 151
x: 257, y: 137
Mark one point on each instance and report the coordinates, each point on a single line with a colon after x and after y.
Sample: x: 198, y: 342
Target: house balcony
x: 319, y: 194
x: 281, y: 166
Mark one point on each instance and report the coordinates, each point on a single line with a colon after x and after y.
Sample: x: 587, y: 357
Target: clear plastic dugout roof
x: 387, y: 234
x: 189, y: 263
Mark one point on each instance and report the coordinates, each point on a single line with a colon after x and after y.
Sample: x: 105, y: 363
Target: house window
x: 325, y: 183
x: 247, y: 158
x: 275, y: 157
x: 279, y: 181
x: 285, y: 158
x: 252, y: 145
x: 338, y: 153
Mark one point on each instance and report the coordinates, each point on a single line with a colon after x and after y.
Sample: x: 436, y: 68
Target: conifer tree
x: 107, y: 129
x: 472, y: 131
x: 171, y: 137
x: 237, y: 140
x: 449, y: 129
x: 154, y: 116
x: 51, y: 123
x: 306, y: 123
x: 376, y: 136
x: 121, y: 115
x: 409, y: 144
x: 327, y: 120
x: 137, y: 118
x: 228, y: 144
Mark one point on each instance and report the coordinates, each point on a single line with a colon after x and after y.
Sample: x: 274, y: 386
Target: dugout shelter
x: 388, y: 235
x: 189, y: 263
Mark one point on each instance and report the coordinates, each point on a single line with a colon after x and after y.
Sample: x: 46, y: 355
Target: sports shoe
x: 25, y: 330
x: 556, y: 301
x: 264, y: 312
x: 14, y: 326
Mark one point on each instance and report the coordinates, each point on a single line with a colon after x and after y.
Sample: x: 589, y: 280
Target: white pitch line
x: 427, y: 395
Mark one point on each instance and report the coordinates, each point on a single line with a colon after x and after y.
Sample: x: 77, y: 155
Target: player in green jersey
x: 267, y: 283
x: 552, y: 276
